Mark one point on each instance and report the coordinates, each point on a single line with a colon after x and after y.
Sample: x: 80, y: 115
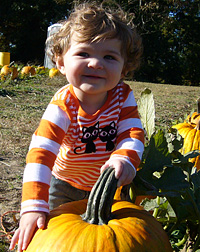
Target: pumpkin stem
x: 101, y: 198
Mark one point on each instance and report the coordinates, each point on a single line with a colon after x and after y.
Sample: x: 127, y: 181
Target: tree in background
x: 169, y: 28
x: 171, y: 38
x: 23, y: 26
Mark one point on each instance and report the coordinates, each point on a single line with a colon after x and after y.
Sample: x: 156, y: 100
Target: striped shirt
x: 73, y: 145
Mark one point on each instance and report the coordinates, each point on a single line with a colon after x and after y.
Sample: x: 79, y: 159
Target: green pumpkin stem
x: 101, y: 198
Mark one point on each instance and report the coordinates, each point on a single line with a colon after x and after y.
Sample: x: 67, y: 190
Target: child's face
x: 93, y: 68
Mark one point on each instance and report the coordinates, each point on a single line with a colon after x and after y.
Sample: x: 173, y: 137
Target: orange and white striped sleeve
x: 130, y: 137
x: 40, y: 159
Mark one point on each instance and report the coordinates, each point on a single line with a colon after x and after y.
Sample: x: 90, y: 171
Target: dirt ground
x: 10, y: 198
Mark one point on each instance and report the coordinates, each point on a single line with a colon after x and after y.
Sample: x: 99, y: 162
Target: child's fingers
x: 118, y: 170
x: 118, y: 166
x: 14, y: 239
x: 21, y: 241
x: 126, y: 177
x: 104, y: 167
x: 28, y: 223
x: 41, y: 222
x: 27, y: 236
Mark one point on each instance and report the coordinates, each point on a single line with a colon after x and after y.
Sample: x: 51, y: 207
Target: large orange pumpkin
x: 105, y: 226
x: 190, y: 131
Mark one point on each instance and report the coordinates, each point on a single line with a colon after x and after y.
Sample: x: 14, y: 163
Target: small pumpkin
x: 100, y: 225
x: 190, y: 131
x: 28, y: 70
x: 8, y: 70
x: 53, y: 72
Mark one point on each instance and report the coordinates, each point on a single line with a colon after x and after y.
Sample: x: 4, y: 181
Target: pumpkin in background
x: 190, y: 131
x: 101, y: 225
x: 8, y: 70
x: 53, y: 72
x: 28, y: 70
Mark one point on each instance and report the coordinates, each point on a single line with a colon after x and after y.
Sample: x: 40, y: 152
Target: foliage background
x: 169, y: 28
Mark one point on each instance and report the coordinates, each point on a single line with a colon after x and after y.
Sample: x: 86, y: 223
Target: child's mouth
x: 93, y: 76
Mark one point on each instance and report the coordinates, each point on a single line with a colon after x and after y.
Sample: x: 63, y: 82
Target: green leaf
x: 172, y: 179
x: 146, y: 110
x: 192, y: 154
x: 156, y: 156
x: 174, y: 140
x: 185, y: 207
x: 183, y: 161
x: 158, y: 170
x: 195, y: 179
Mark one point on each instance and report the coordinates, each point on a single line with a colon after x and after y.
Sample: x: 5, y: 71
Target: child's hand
x: 123, y: 171
x: 28, y: 223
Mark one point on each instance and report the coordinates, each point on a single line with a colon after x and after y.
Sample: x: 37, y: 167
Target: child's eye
x: 83, y: 54
x: 109, y: 57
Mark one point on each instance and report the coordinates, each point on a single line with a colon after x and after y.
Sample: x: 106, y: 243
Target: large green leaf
x: 172, y: 178
x: 146, y: 110
x: 158, y: 169
x: 156, y: 155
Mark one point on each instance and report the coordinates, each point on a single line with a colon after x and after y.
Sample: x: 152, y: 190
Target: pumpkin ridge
x: 195, y: 145
x: 109, y: 232
x: 183, y: 129
x: 188, y: 141
x: 121, y: 232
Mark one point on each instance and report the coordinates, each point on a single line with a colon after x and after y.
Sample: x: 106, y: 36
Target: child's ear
x: 60, y: 64
x: 124, y: 73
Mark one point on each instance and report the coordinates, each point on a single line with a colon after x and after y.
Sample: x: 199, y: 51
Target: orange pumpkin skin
x: 54, y: 72
x: 131, y: 229
x: 9, y: 71
x: 136, y: 200
x: 190, y: 131
x: 28, y: 70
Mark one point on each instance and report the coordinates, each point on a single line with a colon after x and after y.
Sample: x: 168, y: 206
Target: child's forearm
x: 131, y: 146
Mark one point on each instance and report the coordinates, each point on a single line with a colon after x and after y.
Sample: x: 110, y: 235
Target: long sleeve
x: 130, y: 137
x: 40, y: 159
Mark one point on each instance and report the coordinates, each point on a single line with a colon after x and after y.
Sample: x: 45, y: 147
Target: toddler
x: 91, y: 123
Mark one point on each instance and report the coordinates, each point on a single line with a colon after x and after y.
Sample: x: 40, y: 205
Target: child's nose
x: 95, y: 63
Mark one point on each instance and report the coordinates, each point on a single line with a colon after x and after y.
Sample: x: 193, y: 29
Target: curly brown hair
x: 93, y: 23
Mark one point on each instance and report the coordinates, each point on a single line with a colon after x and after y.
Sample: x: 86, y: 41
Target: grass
x: 22, y: 105
x: 23, y: 101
